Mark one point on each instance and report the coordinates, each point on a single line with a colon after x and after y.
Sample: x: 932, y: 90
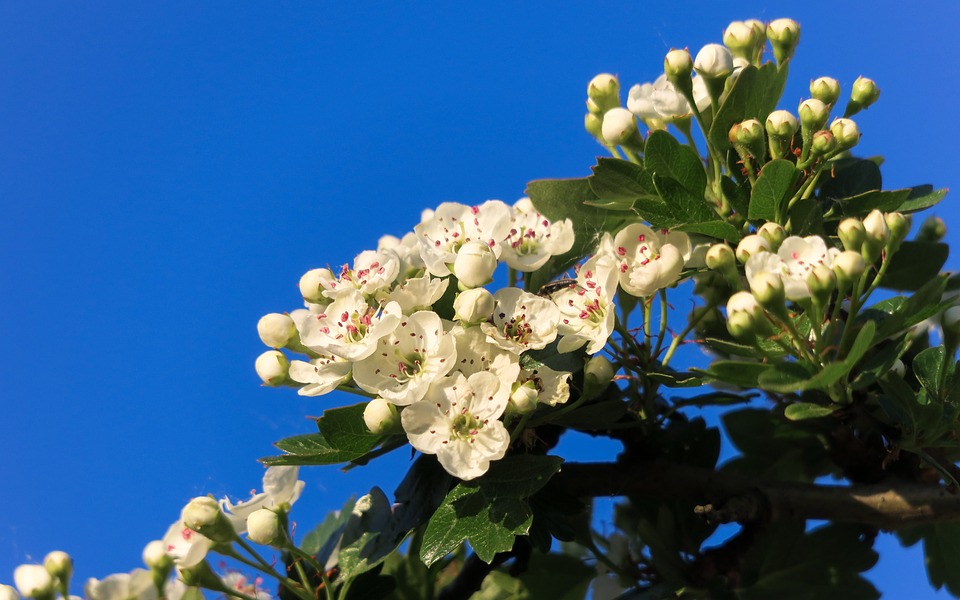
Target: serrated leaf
x: 915, y: 264
x: 921, y: 197
x: 773, y: 188
x: 800, y: 411
x: 928, y: 367
x: 715, y: 229
x: 618, y: 183
x: 861, y: 204
x: 738, y: 195
x: 310, y: 449
x: 753, y: 96
x: 665, y: 157
x: 691, y: 212
x: 344, y: 429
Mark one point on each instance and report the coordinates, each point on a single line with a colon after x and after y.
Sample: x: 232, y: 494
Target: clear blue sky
x: 169, y: 170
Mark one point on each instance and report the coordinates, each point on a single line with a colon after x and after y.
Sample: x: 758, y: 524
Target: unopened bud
x: 773, y: 233
x: 203, y: 515
x: 523, y: 398
x: 272, y: 367
x: 604, y: 90
x: 201, y: 575
x: 825, y: 89
x: 720, y: 257
x: 59, y: 564
x: 380, y: 416
x: 742, y: 39
x: 824, y: 144
x: 822, y: 281
x: 276, y: 330
x: 745, y: 316
x: 877, y: 235
x: 933, y: 229
x: 619, y: 126
x: 813, y: 114
x: 784, y: 35
x: 8, y: 592
x: 714, y: 61
x: 33, y: 581
x: 864, y: 93
x: 899, y: 368
x: 264, y: 528
x: 848, y: 267
x: 851, y: 233
x: 846, y: 133
x: 781, y: 124
x: 475, y: 264
x: 899, y: 226
x: 678, y: 65
x: 750, y: 135
x: 767, y: 288
x: 744, y: 302
x: 742, y: 326
x: 314, y: 282
x: 594, y: 125
x: 598, y: 372
x: 751, y: 245
x: 473, y: 306
x: 155, y: 556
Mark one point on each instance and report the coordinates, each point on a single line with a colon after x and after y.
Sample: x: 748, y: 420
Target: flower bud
x: 824, y: 144
x: 773, y: 233
x: 33, y: 581
x: 781, y: 124
x: 846, y: 133
x: 851, y: 233
x: 619, y: 126
x: 523, y: 398
x: 742, y: 39
x: 272, y: 367
x: 750, y: 245
x: 604, y: 90
x: 475, y: 264
x: 594, y: 125
x: 813, y: 114
x: 314, y: 282
x: 767, y: 288
x: 899, y: 368
x: 155, y: 556
x: 784, y: 35
x: 825, y: 89
x: 264, y: 528
x: 864, y: 93
x: 203, y: 515
x: 59, y: 564
x: 720, y: 257
x: 380, y: 416
x: 276, y: 330
x: 201, y: 575
x: 750, y: 136
x: 714, y: 61
x: 8, y: 592
x: 473, y: 306
x: 899, y: 226
x: 598, y: 372
x: 742, y: 326
x: 744, y: 302
x: 933, y: 229
x: 848, y: 267
x: 678, y: 65
x: 822, y: 281
x: 877, y: 235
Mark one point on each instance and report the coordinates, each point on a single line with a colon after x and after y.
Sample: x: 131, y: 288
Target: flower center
x: 465, y: 426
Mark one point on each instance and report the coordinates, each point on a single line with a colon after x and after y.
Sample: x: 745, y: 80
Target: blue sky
x: 169, y: 170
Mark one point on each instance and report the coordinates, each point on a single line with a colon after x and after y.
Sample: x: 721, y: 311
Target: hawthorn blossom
x: 235, y: 580
x: 587, y: 310
x: 793, y: 262
x: 661, y: 100
x: 521, y: 321
x: 415, y: 293
x: 458, y: 420
x: 407, y: 249
x: 321, y: 375
x: 407, y: 361
x: 349, y: 327
x: 646, y: 261
x: 452, y: 225
x: 550, y: 387
x: 135, y: 585
x: 373, y: 270
x: 185, y: 546
x: 533, y: 239
x: 476, y: 353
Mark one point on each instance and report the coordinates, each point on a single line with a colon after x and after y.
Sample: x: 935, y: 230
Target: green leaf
x: 665, y: 157
x: 691, y: 212
x: 785, y: 377
x: 488, y: 512
x: 800, y: 411
x: 323, y: 539
x: 941, y: 548
x: 753, y: 96
x: 412, y: 578
x: 897, y: 314
x: 921, y: 197
x: 593, y: 416
x: 773, y: 188
x: 861, y: 204
x: 738, y: 373
x: 345, y: 430
x: 915, y: 264
x: 618, y: 183
x: 928, y: 367
x: 559, y: 199
x: 553, y: 576
x: 309, y: 449
x: 849, y: 177
x: 737, y: 194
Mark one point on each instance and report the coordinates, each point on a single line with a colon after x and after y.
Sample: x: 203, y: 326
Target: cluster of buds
x: 41, y: 582
x: 875, y: 234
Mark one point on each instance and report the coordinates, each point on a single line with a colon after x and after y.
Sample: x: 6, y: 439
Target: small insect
x: 555, y: 286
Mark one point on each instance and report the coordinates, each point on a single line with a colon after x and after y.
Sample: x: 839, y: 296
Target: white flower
x: 154, y: 555
x: 586, y: 306
x: 459, y: 422
x: 408, y: 360
x: 281, y: 489
x: 640, y: 101
x: 315, y: 283
x: 185, y: 546
x: 533, y: 239
x: 408, y: 251
x: 792, y: 263
x: 452, y: 225
x: 714, y: 60
x: 473, y: 306
x: 8, y: 592
x: 552, y: 387
x: 373, y: 270
x: 239, y: 582
x: 522, y: 321
x: 33, y: 581
x: 476, y: 353
x: 661, y: 100
x: 135, y: 585
x: 349, y: 327
x: 321, y: 375
x: 415, y: 293
x: 645, y: 261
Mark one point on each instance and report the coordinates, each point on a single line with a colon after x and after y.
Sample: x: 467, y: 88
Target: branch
x: 727, y: 497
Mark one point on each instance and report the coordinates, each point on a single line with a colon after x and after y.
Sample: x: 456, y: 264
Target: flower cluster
x: 452, y: 380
